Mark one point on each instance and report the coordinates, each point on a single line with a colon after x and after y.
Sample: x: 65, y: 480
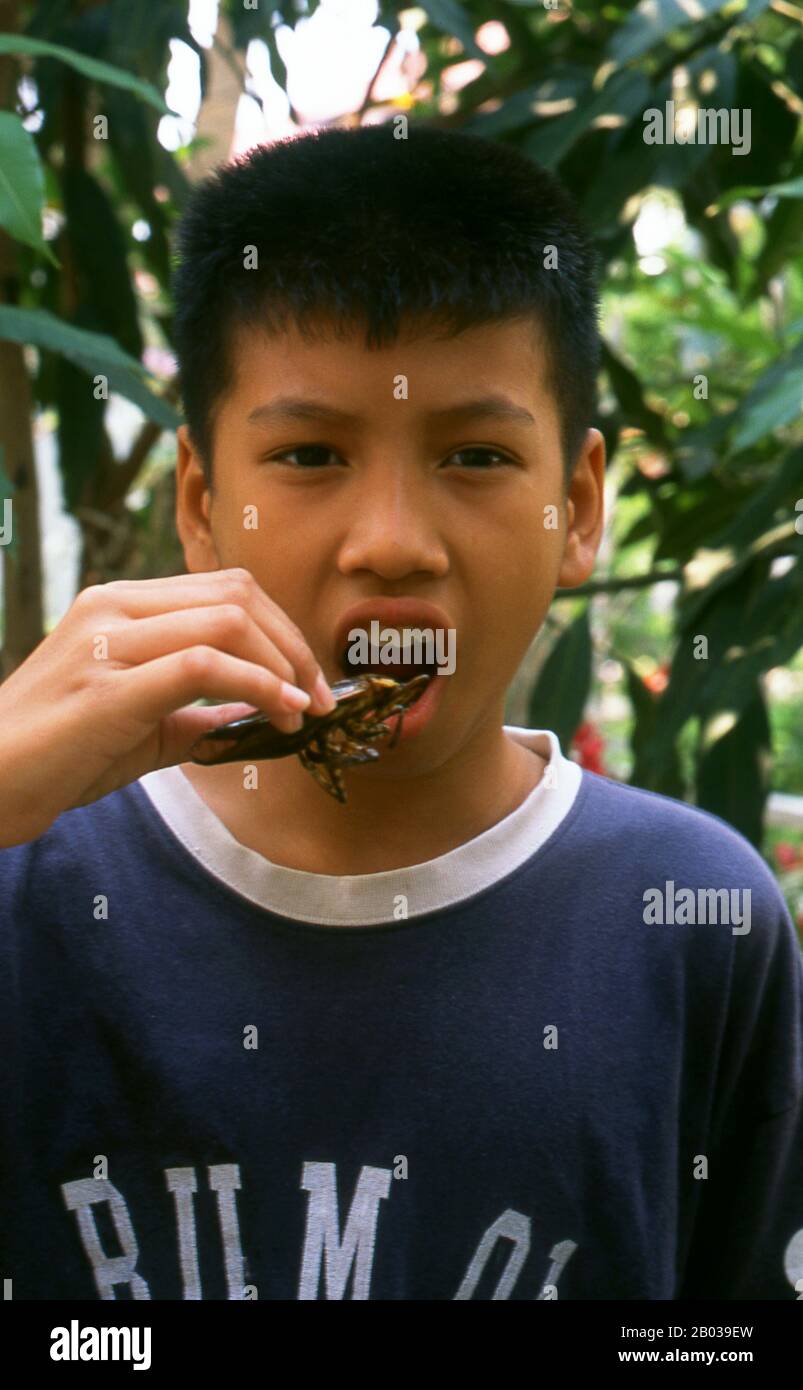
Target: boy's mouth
x: 398, y: 670
x: 391, y: 637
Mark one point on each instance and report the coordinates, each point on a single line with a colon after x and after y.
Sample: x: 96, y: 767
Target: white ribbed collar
x: 367, y: 899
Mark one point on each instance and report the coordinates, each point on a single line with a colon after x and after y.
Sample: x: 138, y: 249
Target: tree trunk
x: 217, y: 116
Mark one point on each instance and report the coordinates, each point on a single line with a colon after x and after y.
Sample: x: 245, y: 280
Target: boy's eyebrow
x: 305, y: 408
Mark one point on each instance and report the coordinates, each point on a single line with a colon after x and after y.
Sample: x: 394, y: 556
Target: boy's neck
x: 386, y: 824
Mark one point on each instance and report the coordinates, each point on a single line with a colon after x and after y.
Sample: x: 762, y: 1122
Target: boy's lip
x: 418, y: 715
x: 394, y: 612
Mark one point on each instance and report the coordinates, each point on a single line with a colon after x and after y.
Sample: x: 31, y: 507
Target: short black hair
x: 370, y: 231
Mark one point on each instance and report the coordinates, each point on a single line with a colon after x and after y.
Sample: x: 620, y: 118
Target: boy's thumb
x: 183, y: 728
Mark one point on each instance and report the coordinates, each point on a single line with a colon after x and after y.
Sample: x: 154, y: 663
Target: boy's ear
x: 585, y: 508
x: 192, y: 508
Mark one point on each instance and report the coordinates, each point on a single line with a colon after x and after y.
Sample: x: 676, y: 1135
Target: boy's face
x: 410, y: 491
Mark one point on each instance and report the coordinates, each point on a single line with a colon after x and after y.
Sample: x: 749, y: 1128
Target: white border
x: 367, y: 899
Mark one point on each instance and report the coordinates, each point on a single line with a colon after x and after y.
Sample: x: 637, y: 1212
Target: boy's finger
x: 156, y: 689
x: 151, y: 597
x: 224, y: 626
x: 184, y: 727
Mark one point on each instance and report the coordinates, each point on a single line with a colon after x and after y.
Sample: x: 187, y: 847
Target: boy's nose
x: 395, y: 534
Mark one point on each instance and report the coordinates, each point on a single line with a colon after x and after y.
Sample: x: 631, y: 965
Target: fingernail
x: 293, y: 697
x: 323, y: 695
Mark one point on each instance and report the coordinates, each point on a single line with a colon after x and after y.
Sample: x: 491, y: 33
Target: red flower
x: 658, y: 679
x: 786, y: 855
x: 589, y: 744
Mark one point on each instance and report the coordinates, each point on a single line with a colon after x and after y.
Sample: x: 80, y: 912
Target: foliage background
x: 703, y: 274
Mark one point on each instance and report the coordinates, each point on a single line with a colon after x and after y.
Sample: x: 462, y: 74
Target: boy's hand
x: 83, y: 716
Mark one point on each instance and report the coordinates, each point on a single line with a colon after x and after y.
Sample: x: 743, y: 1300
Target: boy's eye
x: 308, y: 455
x: 479, y: 458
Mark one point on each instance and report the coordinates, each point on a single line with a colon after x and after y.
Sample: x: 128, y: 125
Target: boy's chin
x: 433, y: 733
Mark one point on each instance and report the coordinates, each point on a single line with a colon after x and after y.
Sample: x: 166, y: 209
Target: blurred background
x: 680, y: 668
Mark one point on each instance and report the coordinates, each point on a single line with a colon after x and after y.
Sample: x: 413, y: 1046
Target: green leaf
x: 784, y: 237
x: 80, y: 430
x: 645, y: 713
x: 88, y: 67
x: 95, y: 353
x: 732, y: 779
x: 710, y: 571
x: 629, y: 392
x: 776, y: 398
x: 751, y: 625
x: 451, y: 18
x: 521, y: 109
x: 694, y: 512
x: 559, y: 695
x: 137, y: 161
x: 652, y: 20
x: 624, y: 168
x: 623, y: 95
x: 22, y: 185
x: 701, y: 448
x: 106, y: 301
x: 793, y: 188
x: 765, y: 158
x: 761, y: 510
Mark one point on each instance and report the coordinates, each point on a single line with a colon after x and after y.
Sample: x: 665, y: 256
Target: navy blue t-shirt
x: 564, y: 1060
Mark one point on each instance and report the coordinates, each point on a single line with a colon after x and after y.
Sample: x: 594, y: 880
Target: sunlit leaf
x: 88, y: 67
x: 95, y: 353
x: 22, y: 185
x: 653, y: 20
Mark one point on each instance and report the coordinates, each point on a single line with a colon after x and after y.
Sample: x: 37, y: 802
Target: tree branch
x: 366, y: 102
x: 615, y: 586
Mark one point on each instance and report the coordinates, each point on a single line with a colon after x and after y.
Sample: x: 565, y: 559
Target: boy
x: 443, y: 1041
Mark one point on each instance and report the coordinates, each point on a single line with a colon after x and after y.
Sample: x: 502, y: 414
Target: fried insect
x: 327, y: 742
